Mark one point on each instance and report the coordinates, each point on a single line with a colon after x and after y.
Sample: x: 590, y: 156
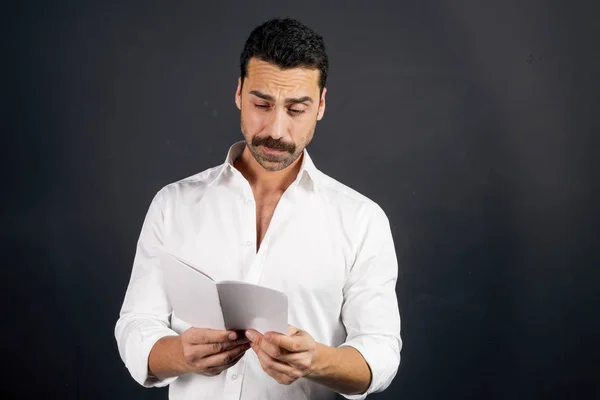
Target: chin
x: 273, y: 165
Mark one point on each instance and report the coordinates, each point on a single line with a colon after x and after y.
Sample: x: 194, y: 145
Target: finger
x: 272, y: 350
x: 294, y: 344
x: 205, y: 350
x: 297, y: 361
x: 213, y: 371
x: 218, y: 369
x: 280, y: 371
x: 257, y: 340
x: 199, y: 351
x: 292, y: 330
x: 204, y: 335
x: 235, y: 343
x: 225, y: 357
x: 254, y: 336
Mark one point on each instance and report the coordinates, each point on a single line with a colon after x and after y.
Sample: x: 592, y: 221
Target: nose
x: 278, y: 124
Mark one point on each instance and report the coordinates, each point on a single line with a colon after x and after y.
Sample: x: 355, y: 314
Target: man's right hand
x: 208, y: 352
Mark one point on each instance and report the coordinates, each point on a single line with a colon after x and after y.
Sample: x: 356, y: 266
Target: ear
x: 322, y: 105
x: 238, y: 94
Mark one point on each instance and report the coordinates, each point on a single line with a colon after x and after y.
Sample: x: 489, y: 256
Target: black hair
x: 286, y: 43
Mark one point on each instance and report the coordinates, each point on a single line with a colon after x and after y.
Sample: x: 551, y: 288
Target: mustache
x: 276, y: 144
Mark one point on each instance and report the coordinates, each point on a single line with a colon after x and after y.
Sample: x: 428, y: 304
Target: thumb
x: 292, y: 330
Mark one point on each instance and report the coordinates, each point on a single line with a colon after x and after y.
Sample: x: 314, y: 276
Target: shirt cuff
x: 138, y: 356
x: 381, y: 358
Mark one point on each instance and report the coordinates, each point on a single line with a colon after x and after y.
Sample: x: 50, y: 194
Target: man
x: 269, y: 216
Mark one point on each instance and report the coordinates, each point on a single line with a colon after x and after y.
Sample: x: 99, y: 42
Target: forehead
x: 264, y: 76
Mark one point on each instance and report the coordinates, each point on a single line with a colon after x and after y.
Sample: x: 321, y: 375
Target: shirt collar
x: 307, y: 167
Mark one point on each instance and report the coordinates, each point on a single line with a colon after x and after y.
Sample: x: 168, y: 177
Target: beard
x: 274, y: 162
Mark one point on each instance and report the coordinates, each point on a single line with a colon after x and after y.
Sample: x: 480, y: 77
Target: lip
x: 272, y: 151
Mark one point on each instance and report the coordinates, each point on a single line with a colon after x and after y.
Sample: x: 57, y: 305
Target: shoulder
x: 349, y: 200
x: 192, y: 185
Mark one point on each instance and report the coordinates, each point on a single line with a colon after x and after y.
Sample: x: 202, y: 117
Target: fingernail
x: 249, y: 335
x: 268, y: 336
x: 232, y: 336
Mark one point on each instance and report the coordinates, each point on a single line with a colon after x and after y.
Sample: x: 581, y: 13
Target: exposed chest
x: 265, y: 208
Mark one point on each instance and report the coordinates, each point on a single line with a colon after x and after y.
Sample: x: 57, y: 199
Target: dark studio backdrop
x: 473, y: 124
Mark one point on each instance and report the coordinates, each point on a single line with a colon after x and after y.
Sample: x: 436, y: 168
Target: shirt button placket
x: 251, y: 212
x: 233, y: 387
x: 249, y: 229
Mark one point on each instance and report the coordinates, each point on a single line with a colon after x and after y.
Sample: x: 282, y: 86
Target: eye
x: 295, y: 111
x: 261, y: 106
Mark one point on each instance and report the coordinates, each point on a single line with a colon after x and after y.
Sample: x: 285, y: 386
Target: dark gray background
x: 474, y: 126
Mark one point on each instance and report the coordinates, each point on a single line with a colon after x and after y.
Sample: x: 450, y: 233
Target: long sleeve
x: 370, y: 311
x: 144, y: 316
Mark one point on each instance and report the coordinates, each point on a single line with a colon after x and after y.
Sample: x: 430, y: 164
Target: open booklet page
x: 192, y: 294
x: 251, y: 306
x: 200, y: 302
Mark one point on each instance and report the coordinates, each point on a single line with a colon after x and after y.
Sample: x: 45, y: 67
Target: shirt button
x: 248, y: 243
x: 234, y: 377
x: 247, y: 201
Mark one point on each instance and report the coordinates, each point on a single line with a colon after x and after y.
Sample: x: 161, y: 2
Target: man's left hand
x: 285, y: 358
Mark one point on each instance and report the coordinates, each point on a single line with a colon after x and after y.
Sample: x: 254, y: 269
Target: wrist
x: 166, y: 358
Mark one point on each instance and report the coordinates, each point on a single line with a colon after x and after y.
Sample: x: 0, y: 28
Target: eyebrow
x: 287, y: 101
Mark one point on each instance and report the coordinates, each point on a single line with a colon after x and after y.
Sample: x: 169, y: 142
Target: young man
x: 269, y: 216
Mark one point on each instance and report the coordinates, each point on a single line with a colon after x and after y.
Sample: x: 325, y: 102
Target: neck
x: 263, y: 180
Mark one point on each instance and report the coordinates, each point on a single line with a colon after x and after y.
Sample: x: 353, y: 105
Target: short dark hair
x: 286, y: 43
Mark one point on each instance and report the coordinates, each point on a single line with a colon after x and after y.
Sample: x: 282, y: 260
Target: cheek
x: 253, y: 121
x: 301, y: 127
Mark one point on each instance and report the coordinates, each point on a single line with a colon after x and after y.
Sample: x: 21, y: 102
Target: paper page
x: 192, y: 294
x: 248, y: 306
x: 188, y: 264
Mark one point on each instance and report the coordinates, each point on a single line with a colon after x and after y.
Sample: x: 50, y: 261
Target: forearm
x: 166, y: 358
x: 341, y: 369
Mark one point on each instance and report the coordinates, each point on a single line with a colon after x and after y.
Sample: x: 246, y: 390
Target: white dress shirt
x: 329, y: 248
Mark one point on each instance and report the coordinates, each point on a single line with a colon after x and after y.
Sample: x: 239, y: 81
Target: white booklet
x: 234, y: 305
